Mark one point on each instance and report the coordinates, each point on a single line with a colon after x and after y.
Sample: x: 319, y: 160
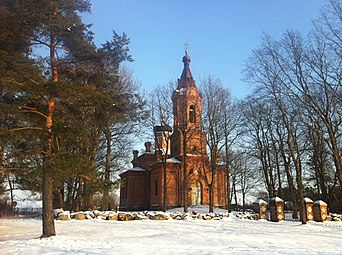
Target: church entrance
x: 196, y: 194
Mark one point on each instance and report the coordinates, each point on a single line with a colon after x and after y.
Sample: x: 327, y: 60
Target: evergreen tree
x: 34, y: 90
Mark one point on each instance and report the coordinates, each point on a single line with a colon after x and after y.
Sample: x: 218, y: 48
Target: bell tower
x: 187, y: 112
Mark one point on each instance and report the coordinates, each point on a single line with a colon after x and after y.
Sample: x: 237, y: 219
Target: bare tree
x: 247, y: 176
x: 162, y: 119
x: 220, y: 121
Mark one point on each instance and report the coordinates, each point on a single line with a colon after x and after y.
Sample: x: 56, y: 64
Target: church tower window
x: 192, y: 114
x: 156, y: 188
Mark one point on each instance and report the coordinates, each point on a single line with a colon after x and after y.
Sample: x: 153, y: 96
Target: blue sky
x: 221, y: 34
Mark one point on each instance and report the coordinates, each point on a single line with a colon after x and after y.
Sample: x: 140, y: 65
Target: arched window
x: 156, y: 188
x: 192, y: 114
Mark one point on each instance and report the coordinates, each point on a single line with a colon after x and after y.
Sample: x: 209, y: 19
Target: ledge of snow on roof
x: 259, y: 201
x: 170, y: 160
x: 137, y: 168
x: 308, y: 200
x: 276, y: 199
x: 173, y: 160
x: 320, y: 202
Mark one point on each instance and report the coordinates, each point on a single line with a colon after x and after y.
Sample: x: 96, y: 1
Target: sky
x: 221, y: 34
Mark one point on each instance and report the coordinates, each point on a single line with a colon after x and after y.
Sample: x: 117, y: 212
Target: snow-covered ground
x: 228, y: 236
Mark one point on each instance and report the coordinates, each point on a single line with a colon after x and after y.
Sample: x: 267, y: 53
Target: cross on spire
x: 186, y: 48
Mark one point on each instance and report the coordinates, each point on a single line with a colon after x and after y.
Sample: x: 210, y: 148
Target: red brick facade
x: 142, y: 186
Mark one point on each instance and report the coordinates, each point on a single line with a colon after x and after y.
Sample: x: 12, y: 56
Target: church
x: 178, y: 167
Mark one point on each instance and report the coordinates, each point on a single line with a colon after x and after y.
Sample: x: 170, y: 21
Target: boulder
x: 90, y: 215
x: 186, y: 216
x: 217, y: 218
x: 199, y: 216
x: 79, y: 216
x: 150, y: 215
x: 125, y: 216
x: 96, y: 213
x: 57, y: 212
x: 255, y: 216
x: 139, y: 216
x: 112, y: 216
x: 176, y: 216
x: 206, y: 217
x: 63, y: 216
x: 160, y: 216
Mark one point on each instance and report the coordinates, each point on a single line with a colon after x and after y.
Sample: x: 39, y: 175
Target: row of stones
x: 334, y: 217
x: 126, y: 216
x: 256, y: 216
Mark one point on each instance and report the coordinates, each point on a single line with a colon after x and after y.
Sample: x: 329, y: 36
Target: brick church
x: 182, y: 152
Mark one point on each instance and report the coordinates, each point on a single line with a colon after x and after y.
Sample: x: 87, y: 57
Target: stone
x: 125, y: 216
x: 139, y: 216
x: 90, y: 215
x: 160, y: 216
x: 63, y: 216
x: 206, y: 217
x: 96, y: 213
x: 79, y: 216
x: 186, y: 216
x: 175, y: 216
x: 150, y: 215
x: 336, y: 218
x: 255, y: 216
x: 112, y: 216
x: 57, y: 212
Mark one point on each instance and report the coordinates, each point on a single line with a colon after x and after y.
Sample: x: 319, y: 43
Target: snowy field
x: 228, y: 236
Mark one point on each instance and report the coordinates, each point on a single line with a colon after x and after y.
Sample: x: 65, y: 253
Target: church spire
x: 186, y: 80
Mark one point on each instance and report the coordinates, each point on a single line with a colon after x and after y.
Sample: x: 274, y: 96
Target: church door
x: 196, y: 194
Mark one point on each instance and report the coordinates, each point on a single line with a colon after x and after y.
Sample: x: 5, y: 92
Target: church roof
x: 168, y: 161
x: 162, y: 128
x: 137, y: 168
x: 186, y: 80
x: 173, y: 160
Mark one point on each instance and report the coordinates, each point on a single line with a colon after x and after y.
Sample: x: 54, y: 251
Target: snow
x: 308, y: 200
x: 277, y: 199
x: 137, y: 168
x: 173, y: 160
x: 319, y: 202
x: 25, y: 199
x: 228, y: 236
x: 259, y: 201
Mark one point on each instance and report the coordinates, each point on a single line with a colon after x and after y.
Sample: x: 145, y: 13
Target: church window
x: 156, y: 188
x: 126, y: 190
x: 192, y: 114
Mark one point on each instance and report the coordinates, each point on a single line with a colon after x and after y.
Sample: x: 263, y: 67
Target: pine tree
x: 35, y: 88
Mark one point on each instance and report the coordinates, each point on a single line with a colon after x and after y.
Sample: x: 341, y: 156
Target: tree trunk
x: 47, y: 190
x: 211, y: 198
x: 228, y: 189
x: 107, y: 185
x: 212, y: 181
x: 164, y: 183
x: 11, y: 186
x: 185, y: 173
x: 48, y: 217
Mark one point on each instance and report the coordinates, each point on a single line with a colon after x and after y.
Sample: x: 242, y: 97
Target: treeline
x: 284, y: 138
x: 68, y: 107
x: 290, y: 137
x: 293, y: 119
